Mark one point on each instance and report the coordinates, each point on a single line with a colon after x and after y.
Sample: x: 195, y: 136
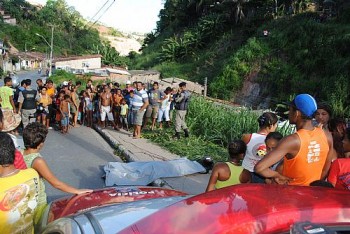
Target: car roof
x: 250, y: 208
x: 113, y: 195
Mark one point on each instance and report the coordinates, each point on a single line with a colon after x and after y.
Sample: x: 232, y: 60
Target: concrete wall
x: 94, y: 63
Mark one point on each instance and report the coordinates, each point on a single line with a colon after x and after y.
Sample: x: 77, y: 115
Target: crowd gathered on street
x: 317, y: 154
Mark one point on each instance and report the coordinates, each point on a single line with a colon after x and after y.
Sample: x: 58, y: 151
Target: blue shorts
x: 65, y: 119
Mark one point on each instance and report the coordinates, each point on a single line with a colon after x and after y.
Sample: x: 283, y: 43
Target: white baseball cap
x: 128, y: 82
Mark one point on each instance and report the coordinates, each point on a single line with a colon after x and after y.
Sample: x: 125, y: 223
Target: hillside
x: 122, y: 42
x: 307, y: 49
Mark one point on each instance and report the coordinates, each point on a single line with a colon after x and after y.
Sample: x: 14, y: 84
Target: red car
x: 251, y: 208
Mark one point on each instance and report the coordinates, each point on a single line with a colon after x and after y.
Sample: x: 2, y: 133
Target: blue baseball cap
x: 306, y: 104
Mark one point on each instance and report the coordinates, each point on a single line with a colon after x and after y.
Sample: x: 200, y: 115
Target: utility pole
x: 51, y: 52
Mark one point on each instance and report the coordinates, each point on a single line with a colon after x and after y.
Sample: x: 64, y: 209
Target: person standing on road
x: 182, y: 101
x: 6, y: 95
x: 106, y: 106
x: 18, y: 191
x: 139, y: 105
x: 155, y: 96
x: 34, y: 136
x: 27, y: 103
x: 307, y: 154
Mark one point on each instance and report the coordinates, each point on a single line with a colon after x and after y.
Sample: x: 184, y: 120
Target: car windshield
x: 115, y: 218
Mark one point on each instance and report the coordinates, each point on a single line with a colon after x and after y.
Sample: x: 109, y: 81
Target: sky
x: 125, y: 15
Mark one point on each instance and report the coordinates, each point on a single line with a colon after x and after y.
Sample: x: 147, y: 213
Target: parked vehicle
x: 111, y: 208
x: 249, y: 208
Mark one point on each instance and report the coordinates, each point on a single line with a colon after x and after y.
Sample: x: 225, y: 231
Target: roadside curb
x: 126, y: 155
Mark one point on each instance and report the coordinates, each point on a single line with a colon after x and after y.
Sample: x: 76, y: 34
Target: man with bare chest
x: 105, y: 104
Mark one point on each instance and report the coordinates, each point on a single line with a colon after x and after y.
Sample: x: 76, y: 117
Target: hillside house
x: 85, y: 63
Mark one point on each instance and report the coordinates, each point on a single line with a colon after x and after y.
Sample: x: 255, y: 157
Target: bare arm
x: 213, y: 178
x: 13, y: 104
x: 287, y: 146
x: 44, y: 171
x: 330, y: 156
x: 144, y: 106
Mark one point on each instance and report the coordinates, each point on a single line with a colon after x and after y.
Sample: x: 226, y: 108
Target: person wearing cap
x: 181, y: 100
x: 307, y: 154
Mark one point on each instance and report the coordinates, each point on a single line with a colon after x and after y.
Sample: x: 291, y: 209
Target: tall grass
x: 219, y: 123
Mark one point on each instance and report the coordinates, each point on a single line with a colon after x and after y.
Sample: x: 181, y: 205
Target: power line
x: 103, y: 13
x: 100, y: 9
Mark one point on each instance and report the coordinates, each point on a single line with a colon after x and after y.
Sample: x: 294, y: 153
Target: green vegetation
x: 223, y: 41
x: 73, y: 35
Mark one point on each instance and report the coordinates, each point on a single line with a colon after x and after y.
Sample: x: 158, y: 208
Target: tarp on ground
x: 143, y: 173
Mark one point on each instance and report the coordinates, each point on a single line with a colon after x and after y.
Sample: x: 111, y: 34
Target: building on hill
x: 85, y: 63
x: 8, y: 19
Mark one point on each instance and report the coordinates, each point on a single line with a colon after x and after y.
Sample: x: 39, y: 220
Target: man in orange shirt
x: 306, y: 154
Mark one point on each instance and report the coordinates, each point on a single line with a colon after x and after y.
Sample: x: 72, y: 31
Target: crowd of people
x: 317, y: 154
x: 32, y: 112
x: 68, y: 104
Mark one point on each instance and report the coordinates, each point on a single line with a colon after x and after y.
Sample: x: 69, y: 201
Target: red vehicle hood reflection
x: 71, y: 205
x: 249, y: 209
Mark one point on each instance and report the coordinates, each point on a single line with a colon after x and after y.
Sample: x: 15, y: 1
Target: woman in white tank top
x: 256, y: 148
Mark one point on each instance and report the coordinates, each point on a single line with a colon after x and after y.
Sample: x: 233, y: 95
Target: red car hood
x: 249, y: 209
x: 73, y: 204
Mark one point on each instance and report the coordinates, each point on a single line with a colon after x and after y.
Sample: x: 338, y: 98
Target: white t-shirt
x: 256, y: 150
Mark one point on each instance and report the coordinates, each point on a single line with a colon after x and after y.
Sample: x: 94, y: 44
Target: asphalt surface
x: 77, y: 159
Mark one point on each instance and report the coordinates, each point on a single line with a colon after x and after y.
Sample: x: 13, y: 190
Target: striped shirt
x: 139, y: 98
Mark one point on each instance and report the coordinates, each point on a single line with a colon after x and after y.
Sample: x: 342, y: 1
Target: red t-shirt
x: 19, y: 161
x: 339, y: 174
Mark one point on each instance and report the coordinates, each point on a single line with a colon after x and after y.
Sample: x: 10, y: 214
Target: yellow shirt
x: 18, y: 201
x: 234, y: 178
x: 51, y: 92
x: 5, y: 94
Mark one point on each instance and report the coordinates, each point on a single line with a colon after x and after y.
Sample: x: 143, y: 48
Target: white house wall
x: 93, y: 63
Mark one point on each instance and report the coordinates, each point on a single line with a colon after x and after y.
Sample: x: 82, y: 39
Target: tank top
x: 256, y: 150
x: 29, y: 159
x: 45, y: 100
x: 307, y: 165
x: 234, y: 178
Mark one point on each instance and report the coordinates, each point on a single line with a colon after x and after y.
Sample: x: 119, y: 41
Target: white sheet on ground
x: 143, y: 173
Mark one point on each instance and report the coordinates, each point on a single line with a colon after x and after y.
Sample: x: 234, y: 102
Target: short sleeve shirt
x: 5, y: 94
x: 19, y: 201
x: 139, y: 98
x: 154, y: 96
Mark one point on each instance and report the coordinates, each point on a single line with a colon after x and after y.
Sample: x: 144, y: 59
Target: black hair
x: 7, y: 149
x: 49, y: 82
x: 1, y: 116
x: 34, y: 134
x: 116, y: 84
x: 321, y: 183
x: 23, y: 82
x: 303, y: 116
x: 28, y: 82
x: 39, y: 80
x: 66, y: 96
x: 168, y: 90
x: 77, y: 83
x: 7, y: 79
x: 182, y: 84
x: 274, y: 135
x: 326, y: 107
x: 155, y: 83
x: 236, y: 147
x: 89, y: 80
x: 334, y: 123
x: 267, y: 119
x: 43, y: 87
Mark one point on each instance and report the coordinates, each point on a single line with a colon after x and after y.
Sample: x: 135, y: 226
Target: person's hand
x: 82, y: 191
x: 281, y: 179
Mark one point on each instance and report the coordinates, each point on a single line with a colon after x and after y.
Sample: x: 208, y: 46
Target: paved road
x: 77, y: 158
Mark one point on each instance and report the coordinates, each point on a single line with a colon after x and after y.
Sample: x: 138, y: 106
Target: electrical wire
x: 103, y: 13
x: 100, y: 9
